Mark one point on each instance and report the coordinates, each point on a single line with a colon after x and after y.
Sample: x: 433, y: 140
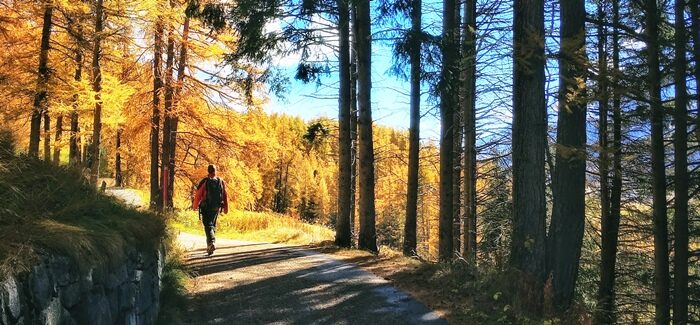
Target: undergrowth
x: 257, y: 226
x: 174, y: 280
x: 48, y: 208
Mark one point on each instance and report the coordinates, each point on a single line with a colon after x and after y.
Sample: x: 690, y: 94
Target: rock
x: 41, y: 286
x: 70, y: 294
x: 10, y: 298
x: 62, y: 271
x: 53, y: 314
x: 127, y: 296
x: 116, y: 278
x: 93, y: 310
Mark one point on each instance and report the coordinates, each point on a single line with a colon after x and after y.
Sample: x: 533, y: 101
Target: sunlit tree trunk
x: 529, y: 143
x: 680, y: 177
x: 658, y: 169
x: 167, y: 117
x: 409, y: 238
x: 447, y: 129
x: 468, y: 104
x: 368, y: 237
x: 97, y: 88
x: 41, y: 96
x: 174, y: 123
x: 695, y: 29
x: 155, y: 117
x: 57, y: 140
x: 342, y: 231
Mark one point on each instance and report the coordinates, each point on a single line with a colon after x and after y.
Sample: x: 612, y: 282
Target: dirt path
x: 257, y: 283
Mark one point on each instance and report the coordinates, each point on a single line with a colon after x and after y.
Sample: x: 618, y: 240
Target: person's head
x: 211, y: 169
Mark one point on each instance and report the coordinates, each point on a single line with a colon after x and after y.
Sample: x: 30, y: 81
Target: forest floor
x: 255, y: 283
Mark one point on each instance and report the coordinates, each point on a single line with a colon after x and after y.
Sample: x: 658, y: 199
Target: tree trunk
x: 658, y: 170
x: 41, y: 104
x: 457, y: 134
x: 342, y: 231
x: 167, y: 202
x: 568, y: 212
x: 680, y: 149
x: 447, y: 130
x: 177, y: 99
x: 155, y: 118
x: 610, y: 219
x: 97, y: 88
x: 57, y: 140
x: 47, y: 136
x: 118, y: 160
x: 695, y: 29
x: 469, y: 112
x: 368, y: 237
x: 529, y: 145
x: 74, y: 148
x: 353, y: 121
x: 409, y: 237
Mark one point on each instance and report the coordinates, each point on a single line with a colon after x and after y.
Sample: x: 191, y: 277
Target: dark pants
x: 209, y: 221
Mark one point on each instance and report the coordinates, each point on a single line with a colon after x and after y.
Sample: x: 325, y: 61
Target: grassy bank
x: 53, y: 209
x: 257, y: 226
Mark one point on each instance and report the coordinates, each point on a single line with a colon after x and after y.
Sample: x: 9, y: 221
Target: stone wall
x: 55, y: 292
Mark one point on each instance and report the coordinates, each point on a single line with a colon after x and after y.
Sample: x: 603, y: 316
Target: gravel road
x: 258, y: 283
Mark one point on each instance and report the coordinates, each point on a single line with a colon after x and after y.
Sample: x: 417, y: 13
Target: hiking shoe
x: 210, y: 249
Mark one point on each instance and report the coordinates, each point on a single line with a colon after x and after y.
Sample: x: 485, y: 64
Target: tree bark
x: 41, y: 104
x: 568, y: 212
x: 368, y: 238
x: 118, y: 160
x: 468, y: 247
x: 167, y: 202
x: 529, y: 145
x: 57, y: 140
x: 174, y: 123
x: 610, y: 219
x: 97, y: 88
x: 74, y: 148
x: 342, y: 231
x: 353, y: 121
x: 447, y: 130
x: 409, y: 238
x: 695, y: 29
x: 658, y: 170
x: 47, y: 136
x: 155, y: 117
x: 680, y: 149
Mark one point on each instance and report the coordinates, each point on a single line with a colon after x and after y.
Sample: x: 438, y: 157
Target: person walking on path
x: 210, y: 199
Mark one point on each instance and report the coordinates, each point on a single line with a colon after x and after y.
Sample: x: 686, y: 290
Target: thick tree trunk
x: 447, y: 130
x: 342, y: 230
x: 680, y: 149
x: 658, y: 169
x: 409, y: 237
x: 568, y: 212
x: 695, y: 29
x: 97, y: 88
x: 610, y: 219
x: 155, y: 117
x: 529, y: 145
x: 468, y: 104
x: 458, y: 128
x: 41, y: 104
x: 368, y: 237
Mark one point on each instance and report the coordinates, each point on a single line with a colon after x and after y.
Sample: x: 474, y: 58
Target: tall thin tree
x: 97, y: 88
x: 409, y: 238
x: 529, y: 143
x: 41, y: 104
x: 368, y: 236
x: 680, y: 177
x: 658, y: 168
x: 177, y: 98
x: 468, y: 89
x: 155, y: 117
x: 448, y: 80
x: 167, y: 202
x: 342, y: 232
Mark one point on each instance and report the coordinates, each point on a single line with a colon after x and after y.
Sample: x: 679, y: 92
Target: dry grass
x: 45, y: 208
x: 258, y: 226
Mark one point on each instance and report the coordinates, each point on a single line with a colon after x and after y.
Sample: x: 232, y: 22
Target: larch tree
x: 680, y: 177
x: 529, y: 141
x: 166, y: 194
x: 41, y: 105
x: 342, y: 233
x: 568, y: 212
x: 363, y: 39
x: 448, y: 80
x: 658, y: 168
x: 155, y: 115
x: 468, y: 107
x: 97, y: 88
x: 414, y: 39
